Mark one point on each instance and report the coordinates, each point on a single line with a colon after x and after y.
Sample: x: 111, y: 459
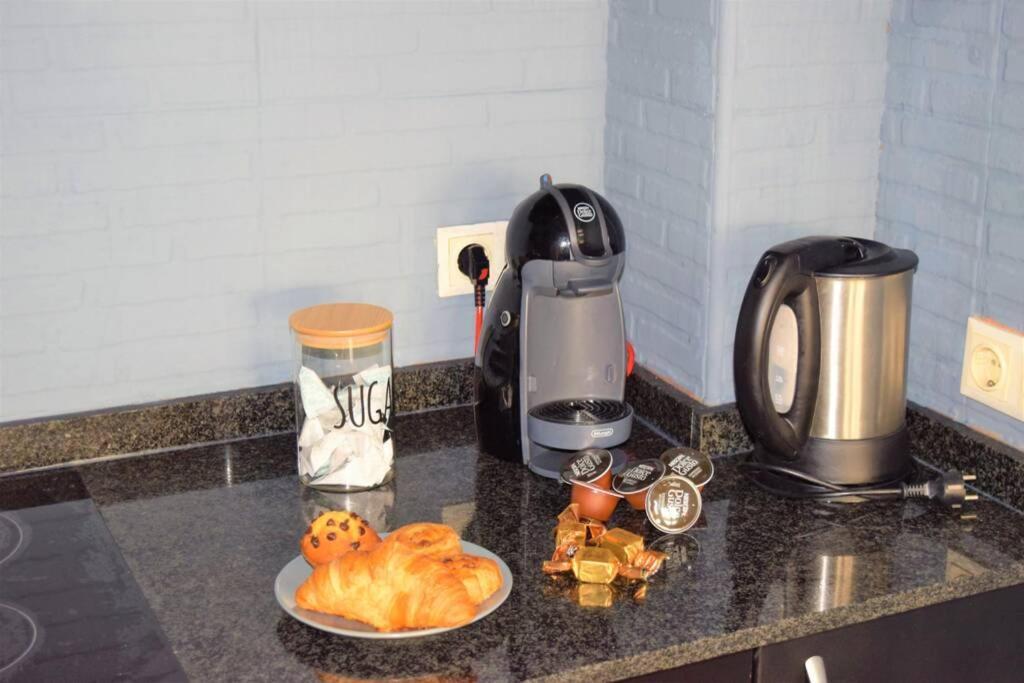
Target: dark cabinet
x: 734, y: 668
x: 980, y: 638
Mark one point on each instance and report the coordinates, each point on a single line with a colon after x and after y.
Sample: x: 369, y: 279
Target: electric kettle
x: 820, y: 360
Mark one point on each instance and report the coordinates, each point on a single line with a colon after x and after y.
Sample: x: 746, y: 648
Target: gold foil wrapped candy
x: 570, y: 514
x: 595, y: 565
x: 625, y: 545
x: 594, y: 595
x: 570, y: 532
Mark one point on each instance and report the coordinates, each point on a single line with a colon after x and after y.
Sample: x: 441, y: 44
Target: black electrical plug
x: 474, y: 264
x: 949, y: 488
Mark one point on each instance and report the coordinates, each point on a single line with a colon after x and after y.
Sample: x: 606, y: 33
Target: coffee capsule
x: 689, y: 463
x: 634, y: 481
x: 591, y: 466
x: 593, y: 501
x: 673, y: 504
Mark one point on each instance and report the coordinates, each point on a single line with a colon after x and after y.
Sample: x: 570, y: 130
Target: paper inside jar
x: 345, y: 439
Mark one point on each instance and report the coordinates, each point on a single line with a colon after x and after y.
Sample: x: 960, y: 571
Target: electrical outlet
x: 452, y: 239
x: 993, y: 367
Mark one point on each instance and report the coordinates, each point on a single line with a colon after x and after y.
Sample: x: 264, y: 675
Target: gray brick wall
x: 952, y: 184
x: 732, y: 126
x: 176, y: 177
x: 800, y: 105
x: 658, y: 155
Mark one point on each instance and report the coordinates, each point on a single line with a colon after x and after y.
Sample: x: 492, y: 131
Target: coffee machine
x: 550, y: 368
x: 820, y: 363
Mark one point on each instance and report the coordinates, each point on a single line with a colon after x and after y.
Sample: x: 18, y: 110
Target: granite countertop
x: 203, y: 532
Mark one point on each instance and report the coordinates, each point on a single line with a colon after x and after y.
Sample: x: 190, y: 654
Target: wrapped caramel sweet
x: 570, y: 532
x: 597, y: 556
x: 595, y: 565
x: 594, y: 595
x: 625, y: 545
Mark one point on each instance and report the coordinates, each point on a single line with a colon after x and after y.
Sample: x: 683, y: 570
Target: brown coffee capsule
x: 673, y: 504
x: 571, y: 532
x: 594, y: 595
x: 623, y: 544
x: 689, y: 463
x: 594, y: 501
x: 591, y: 465
x: 594, y: 565
x: 634, y: 481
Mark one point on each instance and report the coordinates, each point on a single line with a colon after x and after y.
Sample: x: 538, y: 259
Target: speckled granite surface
x: 204, y: 419
x: 715, y: 430
x: 944, y: 443
x: 661, y: 404
x: 204, y: 531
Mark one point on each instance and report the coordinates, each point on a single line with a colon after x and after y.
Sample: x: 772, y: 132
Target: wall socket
x: 450, y: 241
x: 993, y: 367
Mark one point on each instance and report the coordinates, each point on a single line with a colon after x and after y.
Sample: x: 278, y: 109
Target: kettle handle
x: 784, y: 275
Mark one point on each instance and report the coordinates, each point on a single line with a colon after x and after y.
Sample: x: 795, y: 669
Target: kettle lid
x: 869, y: 258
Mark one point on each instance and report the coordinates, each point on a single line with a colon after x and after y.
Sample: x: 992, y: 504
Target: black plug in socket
x: 474, y: 264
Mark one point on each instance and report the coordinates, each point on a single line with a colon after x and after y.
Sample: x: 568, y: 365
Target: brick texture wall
x: 952, y: 184
x: 659, y: 145
x: 176, y: 177
x: 732, y: 126
x: 801, y: 89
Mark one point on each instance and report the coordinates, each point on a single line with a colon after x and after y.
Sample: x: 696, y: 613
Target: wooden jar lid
x: 341, y: 326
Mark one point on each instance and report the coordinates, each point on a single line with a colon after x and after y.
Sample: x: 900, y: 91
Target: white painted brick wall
x: 175, y: 178
x: 951, y: 184
x: 801, y: 88
x: 732, y: 126
x: 658, y: 149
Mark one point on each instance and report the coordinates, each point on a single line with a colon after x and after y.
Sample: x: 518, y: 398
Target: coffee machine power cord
x: 474, y: 264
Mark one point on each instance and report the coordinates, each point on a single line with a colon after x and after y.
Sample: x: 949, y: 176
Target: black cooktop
x: 69, y: 606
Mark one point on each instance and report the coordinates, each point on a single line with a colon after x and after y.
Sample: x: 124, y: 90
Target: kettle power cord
x: 948, y: 488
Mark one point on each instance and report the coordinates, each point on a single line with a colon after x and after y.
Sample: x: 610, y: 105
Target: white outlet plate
x: 451, y: 240
x: 993, y: 366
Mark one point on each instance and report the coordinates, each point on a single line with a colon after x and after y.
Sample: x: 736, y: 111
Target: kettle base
x: 850, y: 462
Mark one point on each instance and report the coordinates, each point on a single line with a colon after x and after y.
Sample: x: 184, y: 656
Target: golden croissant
x: 427, y: 538
x: 390, y: 587
x: 480, y: 575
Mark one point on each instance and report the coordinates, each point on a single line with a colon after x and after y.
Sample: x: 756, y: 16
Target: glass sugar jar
x: 343, y: 396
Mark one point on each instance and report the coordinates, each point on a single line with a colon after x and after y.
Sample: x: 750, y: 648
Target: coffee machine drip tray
x: 580, y: 423
x: 583, y: 411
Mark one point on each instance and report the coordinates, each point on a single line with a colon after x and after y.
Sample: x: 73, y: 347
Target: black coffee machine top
x: 550, y: 368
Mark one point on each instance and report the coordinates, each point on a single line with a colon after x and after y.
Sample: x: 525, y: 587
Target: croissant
x: 390, y: 587
x: 480, y: 575
x: 427, y: 538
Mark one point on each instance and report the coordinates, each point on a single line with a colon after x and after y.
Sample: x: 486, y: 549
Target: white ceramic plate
x: 298, y: 570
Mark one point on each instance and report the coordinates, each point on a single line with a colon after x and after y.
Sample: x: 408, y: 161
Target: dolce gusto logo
x: 584, y: 466
x: 678, y: 501
x: 362, y: 408
x: 684, y: 465
x: 584, y: 212
x: 639, y: 474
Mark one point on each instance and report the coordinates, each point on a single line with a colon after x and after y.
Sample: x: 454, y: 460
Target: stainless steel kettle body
x: 820, y: 358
